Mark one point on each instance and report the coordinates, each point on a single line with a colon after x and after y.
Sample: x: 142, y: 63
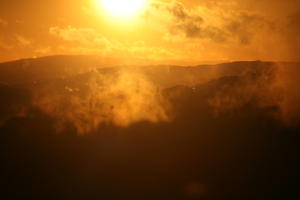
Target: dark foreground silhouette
x: 224, y: 140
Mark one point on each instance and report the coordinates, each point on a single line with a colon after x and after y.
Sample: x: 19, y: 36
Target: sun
x: 123, y: 8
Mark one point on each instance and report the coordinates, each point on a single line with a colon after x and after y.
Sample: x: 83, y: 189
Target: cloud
x: 245, y: 26
x: 217, y: 30
x: 43, y: 50
x: 289, y: 36
x: 85, y: 36
x: 212, y: 24
x: 4, y: 44
x: 294, y: 21
x: 192, y: 25
x: 22, y: 40
x: 3, y: 22
x: 89, y: 41
x: 83, y: 40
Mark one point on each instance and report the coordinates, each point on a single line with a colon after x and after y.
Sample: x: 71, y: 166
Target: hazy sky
x: 186, y: 31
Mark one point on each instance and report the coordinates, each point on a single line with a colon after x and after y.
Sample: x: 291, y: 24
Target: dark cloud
x: 294, y: 22
x: 245, y: 25
x: 179, y: 11
x: 238, y: 27
x: 192, y: 25
x: 290, y: 34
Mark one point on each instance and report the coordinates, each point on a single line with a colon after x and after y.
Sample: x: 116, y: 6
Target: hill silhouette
x: 73, y: 127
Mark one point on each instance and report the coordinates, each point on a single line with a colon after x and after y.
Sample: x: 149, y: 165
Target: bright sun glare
x: 123, y: 8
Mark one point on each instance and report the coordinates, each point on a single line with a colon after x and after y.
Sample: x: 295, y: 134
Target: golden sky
x: 160, y: 31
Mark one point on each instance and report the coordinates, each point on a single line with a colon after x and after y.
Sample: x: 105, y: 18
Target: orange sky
x: 186, y: 31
